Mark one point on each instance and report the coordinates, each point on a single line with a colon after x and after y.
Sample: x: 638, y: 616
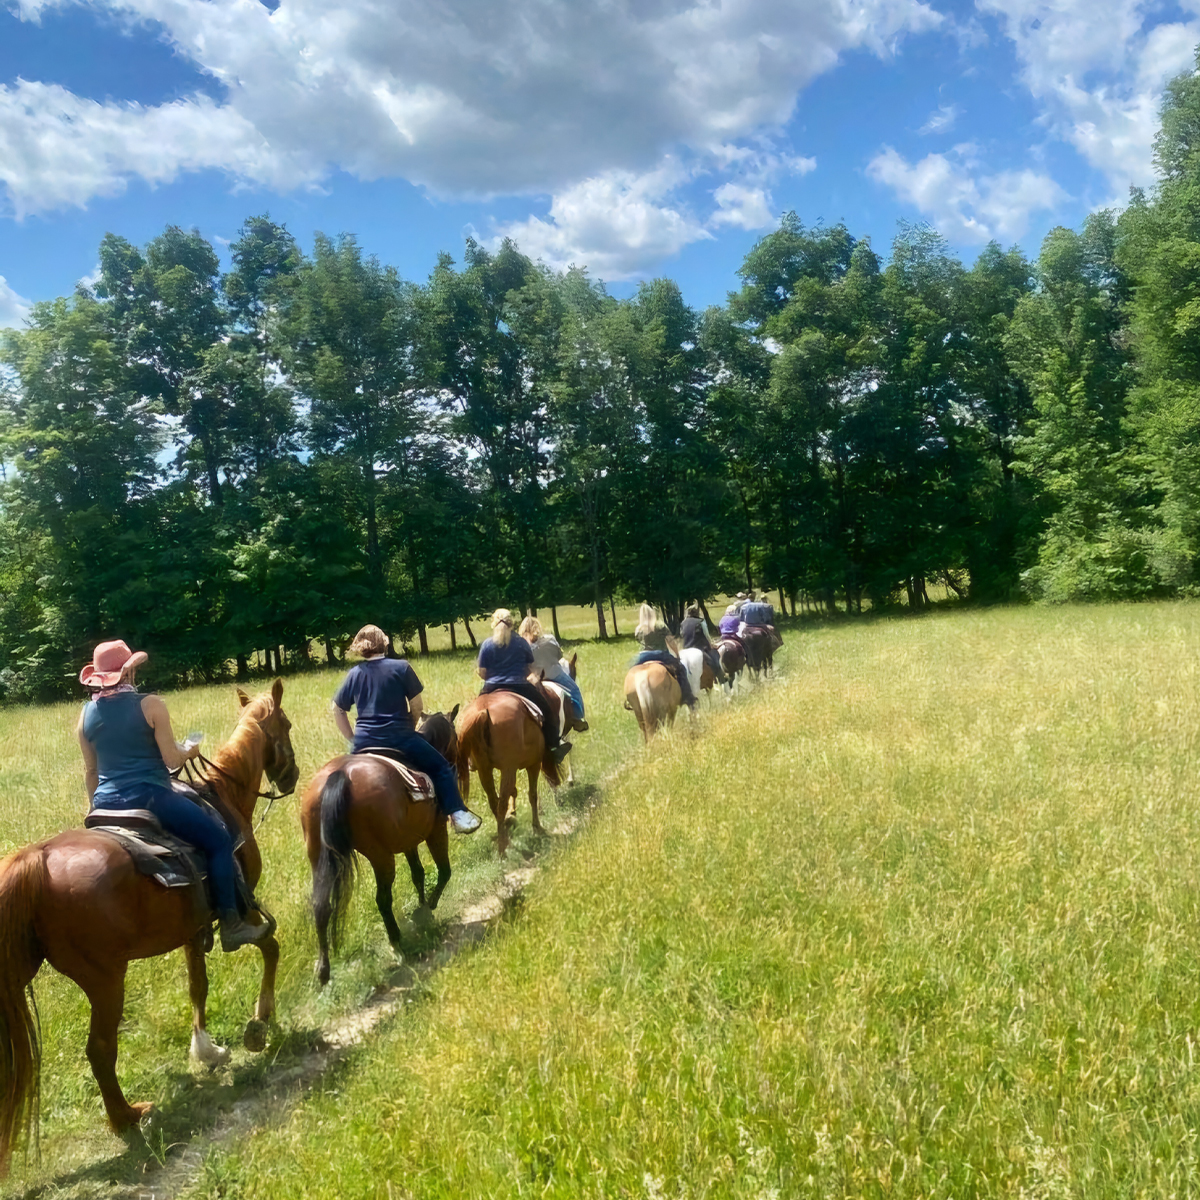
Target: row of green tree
x: 216, y: 465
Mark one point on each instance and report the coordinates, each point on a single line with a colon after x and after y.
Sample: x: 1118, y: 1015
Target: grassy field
x: 920, y: 919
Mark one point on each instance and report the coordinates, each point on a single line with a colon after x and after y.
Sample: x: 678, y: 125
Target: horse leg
x: 439, y: 847
x: 203, y: 1049
x: 106, y: 993
x: 533, y: 773
x: 322, y: 906
x: 506, y: 805
x: 254, y: 1036
x: 416, y: 869
x: 384, y: 866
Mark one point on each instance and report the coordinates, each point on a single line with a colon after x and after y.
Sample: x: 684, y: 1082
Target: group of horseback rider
x: 129, y: 749
x: 746, y: 615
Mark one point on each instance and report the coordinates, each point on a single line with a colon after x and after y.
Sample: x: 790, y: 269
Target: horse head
x: 438, y: 730
x: 279, y: 759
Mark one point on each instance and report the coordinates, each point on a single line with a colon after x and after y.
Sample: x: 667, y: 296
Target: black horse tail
x: 22, y: 883
x: 333, y: 880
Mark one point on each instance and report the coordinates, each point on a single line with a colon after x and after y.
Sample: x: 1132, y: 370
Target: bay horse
x: 357, y: 804
x: 760, y: 652
x: 497, y: 732
x: 78, y: 902
x: 653, y: 696
x: 733, y: 659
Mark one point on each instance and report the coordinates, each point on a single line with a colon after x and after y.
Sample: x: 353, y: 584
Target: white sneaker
x: 464, y: 821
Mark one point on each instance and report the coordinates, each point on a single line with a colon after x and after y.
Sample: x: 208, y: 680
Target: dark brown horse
x: 356, y: 803
x: 760, y: 652
x: 733, y: 659
x: 78, y: 902
x: 497, y: 732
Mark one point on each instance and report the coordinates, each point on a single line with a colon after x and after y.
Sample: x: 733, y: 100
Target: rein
x: 195, y: 776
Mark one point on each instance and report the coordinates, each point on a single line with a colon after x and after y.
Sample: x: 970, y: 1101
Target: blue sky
x: 638, y: 137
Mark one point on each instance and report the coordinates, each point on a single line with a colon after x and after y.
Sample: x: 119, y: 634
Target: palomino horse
x: 78, y: 902
x: 653, y: 696
x: 499, y: 733
x: 357, y: 803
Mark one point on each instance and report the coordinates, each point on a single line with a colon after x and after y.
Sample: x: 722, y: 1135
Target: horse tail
x: 333, y: 880
x: 645, y: 695
x: 474, y: 736
x: 22, y: 883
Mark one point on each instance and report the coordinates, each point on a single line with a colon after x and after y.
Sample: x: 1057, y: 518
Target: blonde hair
x: 731, y: 610
x: 531, y: 629
x: 647, y: 621
x: 502, y: 623
x: 370, y: 639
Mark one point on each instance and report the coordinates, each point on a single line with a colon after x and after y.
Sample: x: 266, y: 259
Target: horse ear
x: 453, y: 713
x: 571, y: 664
x: 277, y: 691
x: 243, y: 697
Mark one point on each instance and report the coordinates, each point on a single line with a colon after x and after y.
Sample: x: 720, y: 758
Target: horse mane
x: 235, y: 760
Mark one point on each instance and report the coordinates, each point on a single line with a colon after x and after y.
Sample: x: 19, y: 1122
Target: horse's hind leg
x: 203, y: 1048
x: 106, y: 993
x: 384, y: 866
x: 439, y: 847
x: 533, y: 773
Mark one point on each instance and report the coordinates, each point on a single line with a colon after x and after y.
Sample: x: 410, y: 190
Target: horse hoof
x: 255, y: 1037
x: 138, y: 1113
x: 422, y: 917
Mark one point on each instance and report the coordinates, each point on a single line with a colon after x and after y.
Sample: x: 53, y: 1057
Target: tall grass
x: 921, y: 920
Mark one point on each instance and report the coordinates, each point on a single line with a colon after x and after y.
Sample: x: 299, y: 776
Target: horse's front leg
x: 254, y: 1037
x: 533, y: 773
x: 439, y: 847
x: 203, y: 1048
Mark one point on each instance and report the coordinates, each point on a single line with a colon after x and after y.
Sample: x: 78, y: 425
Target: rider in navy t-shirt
x: 385, y: 692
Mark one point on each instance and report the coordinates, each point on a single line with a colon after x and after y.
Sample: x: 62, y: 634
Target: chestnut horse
x: 78, y: 902
x: 497, y: 732
x: 357, y: 803
x: 653, y: 696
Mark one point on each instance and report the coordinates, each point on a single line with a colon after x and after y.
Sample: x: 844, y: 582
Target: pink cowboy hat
x: 110, y: 661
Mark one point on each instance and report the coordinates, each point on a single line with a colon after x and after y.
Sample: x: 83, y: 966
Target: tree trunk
x: 712, y: 625
x: 782, y: 601
x: 243, y: 667
x: 554, y: 622
x: 374, y: 559
x: 453, y: 637
x: 210, y: 467
x: 612, y: 605
x: 423, y: 639
x: 329, y: 655
x: 470, y: 635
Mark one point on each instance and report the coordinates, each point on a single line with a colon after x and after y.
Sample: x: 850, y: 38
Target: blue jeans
x: 190, y: 823
x: 418, y: 753
x: 565, y: 681
x: 673, y: 665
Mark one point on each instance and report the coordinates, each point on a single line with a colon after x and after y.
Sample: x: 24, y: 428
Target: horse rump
x: 22, y: 883
x: 333, y: 880
x: 474, y: 739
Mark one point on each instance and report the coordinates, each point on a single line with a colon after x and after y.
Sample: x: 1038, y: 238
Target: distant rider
x: 387, y: 696
x: 505, y: 664
x: 547, y: 658
x: 128, y: 754
x: 657, y: 644
x: 729, y: 623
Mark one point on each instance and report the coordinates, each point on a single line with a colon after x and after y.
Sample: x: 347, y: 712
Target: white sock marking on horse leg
x: 205, y: 1050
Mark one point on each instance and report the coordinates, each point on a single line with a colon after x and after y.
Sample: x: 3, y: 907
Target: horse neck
x: 240, y: 766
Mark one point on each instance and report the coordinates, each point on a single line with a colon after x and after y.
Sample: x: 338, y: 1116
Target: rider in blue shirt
x: 386, y: 694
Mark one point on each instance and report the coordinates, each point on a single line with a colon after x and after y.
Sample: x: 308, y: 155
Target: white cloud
x: 1098, y: 68
x: 745, y: 207
x: 464, y: 97
x: 962, y: 205
x: 942, y: 119
x: 13, y: 308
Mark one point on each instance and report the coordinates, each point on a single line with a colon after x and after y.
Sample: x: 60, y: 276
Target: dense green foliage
x: 221, y: 465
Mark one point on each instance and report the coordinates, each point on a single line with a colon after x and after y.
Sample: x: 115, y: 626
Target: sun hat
x: 110, y: 660
x: 741, y: 596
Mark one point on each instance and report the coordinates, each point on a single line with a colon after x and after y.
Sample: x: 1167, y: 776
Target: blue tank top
x: 126, y: 752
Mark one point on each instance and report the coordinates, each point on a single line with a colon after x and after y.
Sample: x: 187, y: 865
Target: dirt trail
x: 268, y: 1101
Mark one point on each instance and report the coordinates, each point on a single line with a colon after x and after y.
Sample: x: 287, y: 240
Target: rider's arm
x: 416, y: 706
x: 155, y: 712
x: 91, y: 772
x: 342, y: 721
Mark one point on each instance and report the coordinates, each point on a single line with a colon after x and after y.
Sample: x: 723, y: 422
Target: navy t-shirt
x: 380, y: 690
x: 506, y: 664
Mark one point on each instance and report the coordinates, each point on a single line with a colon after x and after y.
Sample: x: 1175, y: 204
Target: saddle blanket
x: 534, y: 711
x: 563, y: 696
x: 419, y: 785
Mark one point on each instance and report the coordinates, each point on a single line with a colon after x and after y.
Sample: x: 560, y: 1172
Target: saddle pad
x: 563, y: 696
x: 167, y: 861
x: 419, y: 785
x: 534, y: 711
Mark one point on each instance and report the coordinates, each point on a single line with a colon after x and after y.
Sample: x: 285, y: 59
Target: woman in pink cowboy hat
x: 128, y: 752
